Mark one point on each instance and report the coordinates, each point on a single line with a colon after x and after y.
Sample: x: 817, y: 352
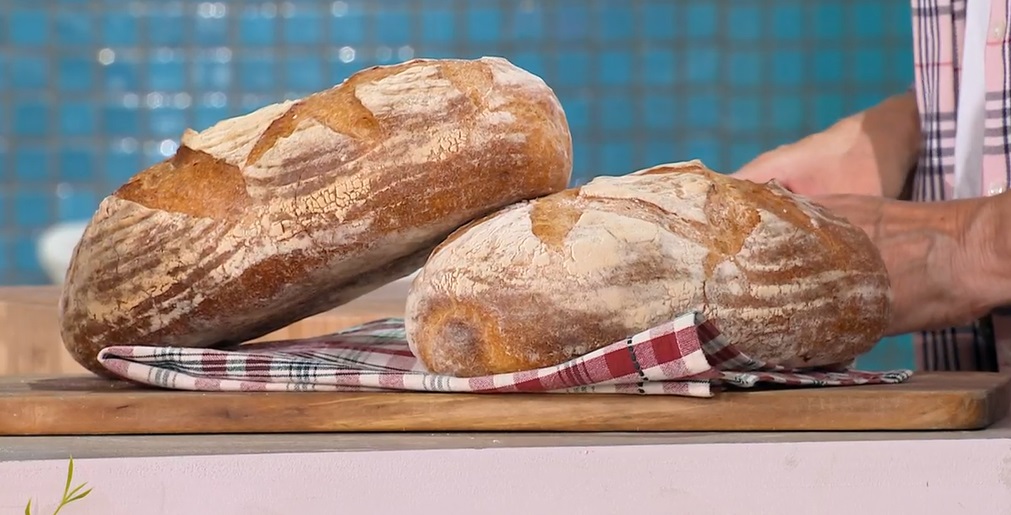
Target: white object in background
x: 972, y: 103
x: 55, y: 247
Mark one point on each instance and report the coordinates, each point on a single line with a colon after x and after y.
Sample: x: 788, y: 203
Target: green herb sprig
x: 69, y: 495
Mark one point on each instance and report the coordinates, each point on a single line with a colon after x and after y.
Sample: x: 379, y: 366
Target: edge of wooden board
x: 76, y: 406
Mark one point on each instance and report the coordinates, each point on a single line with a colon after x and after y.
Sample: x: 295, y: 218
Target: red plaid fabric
x: 686, y: 356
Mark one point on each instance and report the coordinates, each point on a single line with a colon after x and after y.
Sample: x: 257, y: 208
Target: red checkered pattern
x: 687, y: 356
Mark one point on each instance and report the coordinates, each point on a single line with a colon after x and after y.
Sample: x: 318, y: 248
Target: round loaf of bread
x: 298, y: 207
x: 541, y: 282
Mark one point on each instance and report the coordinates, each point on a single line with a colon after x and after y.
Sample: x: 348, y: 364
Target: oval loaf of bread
x: 298, y: 207
x: 544, y: 281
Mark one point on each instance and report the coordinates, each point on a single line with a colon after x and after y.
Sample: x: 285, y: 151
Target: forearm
x: 986, y: 242
x: 889, y: 134
x: 868, y: 153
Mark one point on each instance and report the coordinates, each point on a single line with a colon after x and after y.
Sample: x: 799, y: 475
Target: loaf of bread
x: 540, y: 282
x: 298, y: 207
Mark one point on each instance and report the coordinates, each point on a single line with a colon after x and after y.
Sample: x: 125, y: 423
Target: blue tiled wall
x: 92, y: 91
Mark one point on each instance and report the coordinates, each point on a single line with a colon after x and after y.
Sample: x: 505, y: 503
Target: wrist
x: 920, y: 246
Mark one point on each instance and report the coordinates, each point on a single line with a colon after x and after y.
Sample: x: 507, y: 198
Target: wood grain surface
x: 30, y: 342
x: 85, y: 405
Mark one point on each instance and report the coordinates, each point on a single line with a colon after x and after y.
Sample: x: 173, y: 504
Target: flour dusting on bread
x: 538, y: 283
x: 301, y: 206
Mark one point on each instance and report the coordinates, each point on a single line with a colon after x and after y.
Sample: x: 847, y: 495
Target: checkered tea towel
x: 686, y: 356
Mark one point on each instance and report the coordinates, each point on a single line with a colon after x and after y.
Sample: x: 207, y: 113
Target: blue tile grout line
x: 92, y: 91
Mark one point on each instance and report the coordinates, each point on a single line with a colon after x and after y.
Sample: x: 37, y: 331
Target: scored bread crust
x: 541, y: 282
x: 298, y: 207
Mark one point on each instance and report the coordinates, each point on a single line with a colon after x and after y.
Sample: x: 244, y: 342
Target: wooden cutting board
x: 85, y: 405
x: 30, y: 342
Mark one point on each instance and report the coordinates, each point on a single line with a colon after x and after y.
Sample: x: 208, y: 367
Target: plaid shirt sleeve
x: 938, y: 41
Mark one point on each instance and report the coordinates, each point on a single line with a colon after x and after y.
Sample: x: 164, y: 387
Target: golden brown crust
x: 337, y: 108
x: 301, y: 206
x: 544, y: 281
x: 552, y: 219
x: 192, y: 183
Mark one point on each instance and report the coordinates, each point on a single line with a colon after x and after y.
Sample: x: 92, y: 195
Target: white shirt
x: 971, y: 103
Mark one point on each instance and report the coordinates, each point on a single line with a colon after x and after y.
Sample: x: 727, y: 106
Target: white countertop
x: 489, y: 473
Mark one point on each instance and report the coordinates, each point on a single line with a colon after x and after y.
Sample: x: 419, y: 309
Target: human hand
x: 933, y: 254
x: 870, y: 153
x: 824, y: 163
